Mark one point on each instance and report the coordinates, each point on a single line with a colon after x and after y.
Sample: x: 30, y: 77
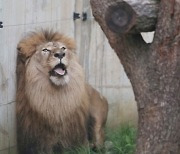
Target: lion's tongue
x: 60, y: 71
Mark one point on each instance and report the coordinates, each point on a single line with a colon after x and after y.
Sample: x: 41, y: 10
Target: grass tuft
x: 123, y: 139
x: 120, y: 140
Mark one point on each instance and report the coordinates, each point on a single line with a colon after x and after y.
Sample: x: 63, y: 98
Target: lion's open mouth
x: 58, y: 70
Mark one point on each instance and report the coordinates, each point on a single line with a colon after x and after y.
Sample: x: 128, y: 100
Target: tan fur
x: 54, y: 113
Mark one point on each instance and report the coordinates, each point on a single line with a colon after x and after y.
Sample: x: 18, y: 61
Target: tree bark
x: 144, y: 14
x: 153, y: 69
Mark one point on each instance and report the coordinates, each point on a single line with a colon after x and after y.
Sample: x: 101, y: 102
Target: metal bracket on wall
x: 1, y: 24
x: 84, y: 16
x: 78, y: 16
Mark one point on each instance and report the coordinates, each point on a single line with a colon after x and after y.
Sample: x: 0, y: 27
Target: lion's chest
x: 73, y: 131
x: 54, y: 104
x: 65, y: 111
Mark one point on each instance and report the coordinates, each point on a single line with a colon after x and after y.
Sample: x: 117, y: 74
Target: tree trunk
x: 153, y: 69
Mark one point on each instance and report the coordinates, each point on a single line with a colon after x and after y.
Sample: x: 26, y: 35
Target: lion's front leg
x: 98, y: 114
x: 98, y: 136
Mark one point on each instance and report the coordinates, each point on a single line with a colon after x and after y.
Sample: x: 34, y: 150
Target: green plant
x: 120, y: 140
x: 123, y: 139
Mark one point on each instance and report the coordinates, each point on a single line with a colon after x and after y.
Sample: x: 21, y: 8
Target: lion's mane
x: 48, y: 115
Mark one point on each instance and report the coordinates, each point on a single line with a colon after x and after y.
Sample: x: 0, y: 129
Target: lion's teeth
x: 60, y: 71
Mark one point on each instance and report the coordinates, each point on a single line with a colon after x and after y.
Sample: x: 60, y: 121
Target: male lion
x: 56, y: 109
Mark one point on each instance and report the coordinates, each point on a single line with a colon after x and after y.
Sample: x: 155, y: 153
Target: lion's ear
x: 25, y: 50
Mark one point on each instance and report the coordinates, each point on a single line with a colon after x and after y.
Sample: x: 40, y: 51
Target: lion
x: 55, y: 108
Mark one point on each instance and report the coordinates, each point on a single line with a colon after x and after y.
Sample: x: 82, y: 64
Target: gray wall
x: 101, y: 65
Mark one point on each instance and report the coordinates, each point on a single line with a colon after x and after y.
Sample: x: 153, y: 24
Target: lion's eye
x: 46, y: 50
x: 63, y: 48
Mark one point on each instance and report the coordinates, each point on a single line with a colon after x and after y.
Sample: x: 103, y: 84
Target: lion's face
x: 49, y: 57
x: 54, y: 59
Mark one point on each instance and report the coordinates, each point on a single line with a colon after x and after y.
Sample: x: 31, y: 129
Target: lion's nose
x: 59, y: 55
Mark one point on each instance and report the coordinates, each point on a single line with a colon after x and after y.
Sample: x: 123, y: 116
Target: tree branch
x: 129, y: 15
x: 120, y: 18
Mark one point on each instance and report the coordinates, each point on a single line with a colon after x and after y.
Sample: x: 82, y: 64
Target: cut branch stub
x: 120, y: 18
